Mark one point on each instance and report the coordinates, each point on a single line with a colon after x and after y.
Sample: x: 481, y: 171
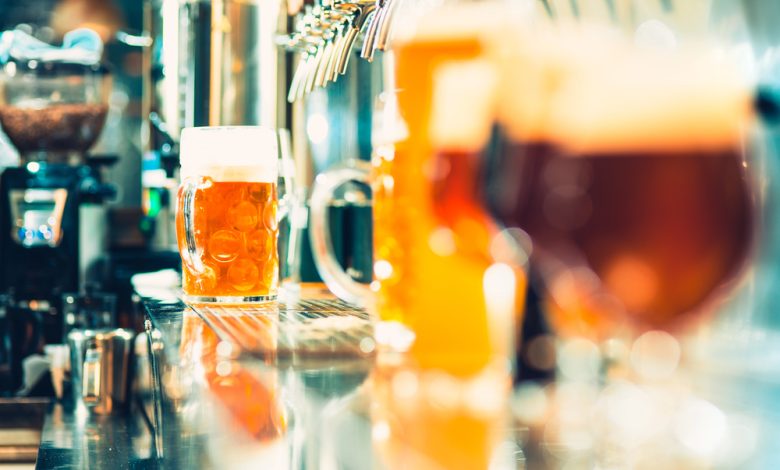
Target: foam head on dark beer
x: 463, y: 105
x: 657, y: 102
x: 590, y: 90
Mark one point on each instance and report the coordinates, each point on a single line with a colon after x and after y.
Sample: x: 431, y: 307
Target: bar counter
x: 273, y: 386
x: 277, y: 386
x: 301, y: 386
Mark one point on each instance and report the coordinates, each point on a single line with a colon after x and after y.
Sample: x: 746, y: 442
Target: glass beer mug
x: 226, y: 219
x: 432, y: 239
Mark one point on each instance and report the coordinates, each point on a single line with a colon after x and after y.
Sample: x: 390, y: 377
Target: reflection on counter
x: 73, y: 438
x: 429, y: 420
x: 302, y: 385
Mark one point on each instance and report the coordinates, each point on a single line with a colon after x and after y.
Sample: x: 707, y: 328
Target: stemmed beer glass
x: 631, y: 177
x: 629, y: 170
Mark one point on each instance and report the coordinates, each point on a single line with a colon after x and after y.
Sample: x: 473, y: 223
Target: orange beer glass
x: 226, y: 220
x: 432, y: 239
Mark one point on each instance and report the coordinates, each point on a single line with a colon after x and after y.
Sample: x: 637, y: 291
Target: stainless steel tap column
x: 218, y: 62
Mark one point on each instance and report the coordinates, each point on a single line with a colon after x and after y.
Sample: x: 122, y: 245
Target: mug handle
x: 337, y: 280
x: 190, y: 254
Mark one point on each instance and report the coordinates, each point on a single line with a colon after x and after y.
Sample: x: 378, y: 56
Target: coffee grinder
x: 52, y: 213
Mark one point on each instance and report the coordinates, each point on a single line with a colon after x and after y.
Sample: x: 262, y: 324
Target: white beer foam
x: 652, y: 102
x: 487, y: 19
x: 230, y: 174
x: 589, y: 89
x: 463, y: 105
x: 230, y: 153
x: 537, y: 61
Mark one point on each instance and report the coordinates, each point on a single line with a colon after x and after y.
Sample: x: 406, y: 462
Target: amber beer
x: 637, y: 177
x: 431, y: 240
x: 226, y: 223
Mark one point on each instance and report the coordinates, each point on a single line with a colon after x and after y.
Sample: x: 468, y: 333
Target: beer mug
x: 326, y: 187
x: 434, y: 243
x: 226, y: 220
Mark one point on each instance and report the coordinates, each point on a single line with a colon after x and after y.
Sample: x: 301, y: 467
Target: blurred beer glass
x: 226, y: 220
x: 433, y: 240
x: 292, y: 216
x: 628, y: 169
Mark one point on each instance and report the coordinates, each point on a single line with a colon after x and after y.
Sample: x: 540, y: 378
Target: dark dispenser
x: 52, y: 212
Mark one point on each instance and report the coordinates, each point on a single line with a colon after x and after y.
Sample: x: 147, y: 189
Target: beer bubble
x: 260, y: 244
x: 226, y: 197
x: 224, y: 245
x: 270, y: 274
x: 206, y: 280
x: 260, y: 192
x: 243, y: 216
x: 243, y: 274
x: 269, y: 216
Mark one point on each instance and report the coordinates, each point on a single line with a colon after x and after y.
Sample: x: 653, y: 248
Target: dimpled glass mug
x: 226, y: 219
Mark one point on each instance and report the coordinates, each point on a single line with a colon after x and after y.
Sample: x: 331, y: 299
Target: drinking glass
x: 292, y: 217
x: 434, y: 243
x: 629, y: 169
x: 630, y: 175
x: 226, y: 220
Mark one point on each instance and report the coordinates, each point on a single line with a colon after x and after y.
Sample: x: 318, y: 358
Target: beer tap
x: 328, y: 39
x: 385, y: 25
x: 331, y: 72
x: 311, y: 73
x: 324, y: 37
x: 295, y: 44
x: 322, y: 66
x: 362, y: 12
x: 367, y: 51
x: 301, y: 77
x: 345, y: 12
x: 298, y: 42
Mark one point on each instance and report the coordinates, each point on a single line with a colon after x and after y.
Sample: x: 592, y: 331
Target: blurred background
x: 84, y: 216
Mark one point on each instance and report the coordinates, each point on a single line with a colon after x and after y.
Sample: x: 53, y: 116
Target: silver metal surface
x: 303, y: 329
x: 101, y: 368
x: 325, y: 37
x: 301, y: 363
x: 231, y: 61
x: 21, y: 421
x: 74, y: 440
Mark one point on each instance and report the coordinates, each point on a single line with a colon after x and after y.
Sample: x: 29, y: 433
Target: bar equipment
x: 325, y: 35
x: 53, y: 106
x: 102, y: 369
x: 282, y: 375
x: 88, y: 311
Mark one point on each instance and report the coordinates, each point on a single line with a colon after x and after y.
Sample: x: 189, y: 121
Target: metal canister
x: 101, y: 368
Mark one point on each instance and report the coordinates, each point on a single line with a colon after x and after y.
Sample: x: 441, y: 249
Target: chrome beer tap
x: 385, y: 25
x: 369, y: 41
x: 331, y: 71
x: 325, y: 35
x: 362, y: 11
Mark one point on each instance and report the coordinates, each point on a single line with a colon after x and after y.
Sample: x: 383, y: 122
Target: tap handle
x: 387, y: 24
x: 367, y: 52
